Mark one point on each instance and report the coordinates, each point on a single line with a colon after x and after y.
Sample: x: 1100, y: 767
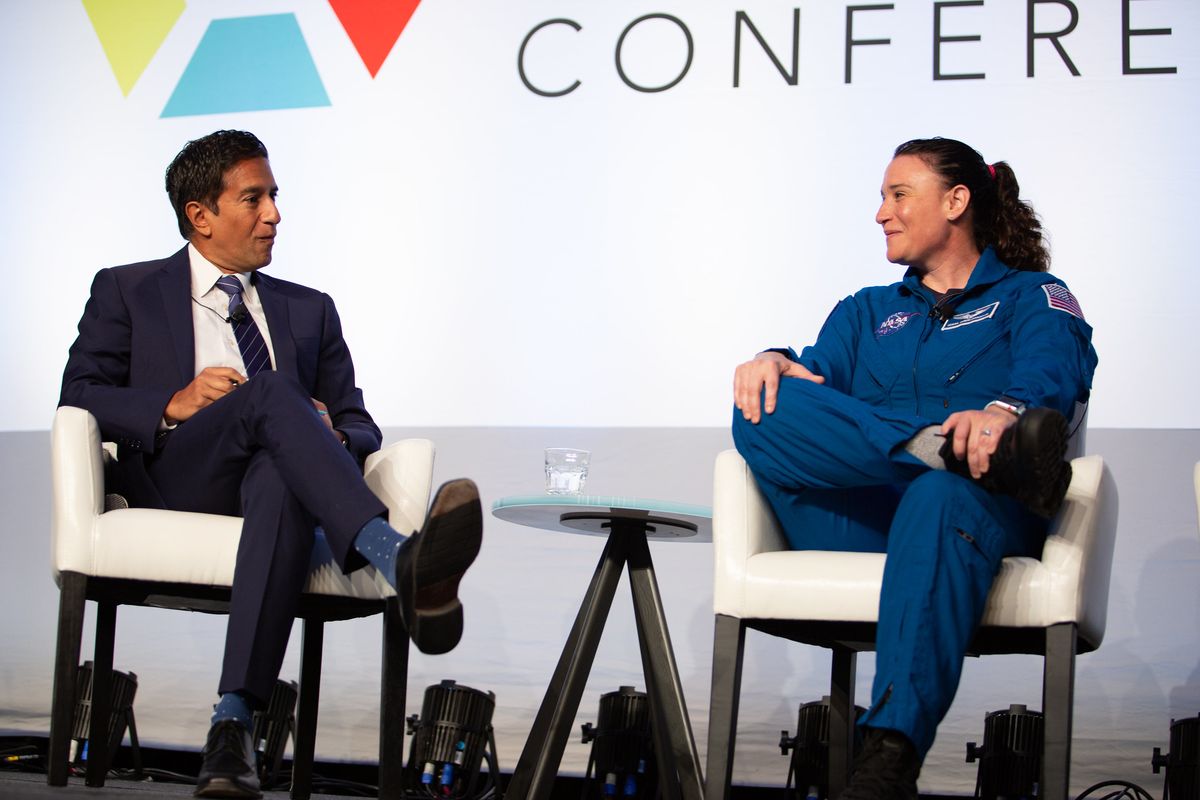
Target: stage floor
x: 21, y: 785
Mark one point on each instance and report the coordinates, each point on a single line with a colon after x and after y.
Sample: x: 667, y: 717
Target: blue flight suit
x: 831, y: 461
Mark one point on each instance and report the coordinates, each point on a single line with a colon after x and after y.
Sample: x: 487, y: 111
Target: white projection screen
x: 564, y: 223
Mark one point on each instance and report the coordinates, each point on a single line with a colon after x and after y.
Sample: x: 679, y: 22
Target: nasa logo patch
x: 894, y: 323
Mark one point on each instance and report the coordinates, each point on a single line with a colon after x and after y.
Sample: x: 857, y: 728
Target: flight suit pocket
x: 977, y: 375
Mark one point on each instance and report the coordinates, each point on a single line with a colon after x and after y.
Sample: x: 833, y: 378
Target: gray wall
x: 522, y: 596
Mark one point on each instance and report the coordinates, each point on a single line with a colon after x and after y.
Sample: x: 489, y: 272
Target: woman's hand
x: 976, y: 435
x: 759, y: 379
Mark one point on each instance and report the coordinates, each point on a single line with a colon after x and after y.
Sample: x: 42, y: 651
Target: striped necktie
x: 250, y: 342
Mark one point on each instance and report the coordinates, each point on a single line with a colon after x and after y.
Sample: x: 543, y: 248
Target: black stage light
x: 1183, y: 761
x: 272, y: 727
x: 120, y: 719
x: 621, y: 763
x: 1010, y: 760
x: 451, y: 738
x: 808, y: 768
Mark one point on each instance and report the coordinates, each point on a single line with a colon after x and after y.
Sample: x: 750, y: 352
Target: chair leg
x: 306, y: 711
x: 71, y: 599
x: 99, y: 756
x: 392, y: 703
x: 729, y: 640
x: 1058, y: 700
x: 841, y: 718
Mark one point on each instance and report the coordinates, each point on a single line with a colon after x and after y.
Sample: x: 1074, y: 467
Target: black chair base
x: 76, y: 589
x: 1058, y: 643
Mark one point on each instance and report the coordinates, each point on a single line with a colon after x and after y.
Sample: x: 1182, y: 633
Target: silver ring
x: 986, y: 431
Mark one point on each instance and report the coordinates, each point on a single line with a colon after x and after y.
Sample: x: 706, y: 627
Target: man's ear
x: 958, y: 198
x: 198, y: 214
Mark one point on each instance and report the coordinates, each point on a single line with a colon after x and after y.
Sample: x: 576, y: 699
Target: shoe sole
x: 1041, y: 451
x: 225, y: 787
x: 445, y: 548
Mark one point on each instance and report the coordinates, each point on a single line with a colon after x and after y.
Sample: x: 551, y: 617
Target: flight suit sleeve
x: 1053, y: 357
x: 833, y: 354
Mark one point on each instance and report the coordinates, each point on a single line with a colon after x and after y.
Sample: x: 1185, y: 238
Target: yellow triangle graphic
x: 131, y: 31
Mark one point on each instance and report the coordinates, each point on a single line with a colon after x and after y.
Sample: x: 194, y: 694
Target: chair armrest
x: 401, y: 475
x: 743, y: 526
x: 1079, y: 549
x: 77, y: 477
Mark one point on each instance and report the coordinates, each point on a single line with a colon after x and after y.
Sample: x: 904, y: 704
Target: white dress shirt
x: 215, y: 343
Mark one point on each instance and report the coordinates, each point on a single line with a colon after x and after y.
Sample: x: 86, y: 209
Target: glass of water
x: 566, y: 470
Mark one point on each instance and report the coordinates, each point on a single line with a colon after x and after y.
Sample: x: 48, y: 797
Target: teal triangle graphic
x: 248, y: 64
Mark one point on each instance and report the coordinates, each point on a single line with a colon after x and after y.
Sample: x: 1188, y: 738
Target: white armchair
x: 185, y: 561
x: 1055, y: 606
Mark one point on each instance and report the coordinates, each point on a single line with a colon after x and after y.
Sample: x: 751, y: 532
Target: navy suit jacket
x: 136, y: 348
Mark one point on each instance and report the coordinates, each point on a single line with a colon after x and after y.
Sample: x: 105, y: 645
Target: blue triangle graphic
x: 248, y: 64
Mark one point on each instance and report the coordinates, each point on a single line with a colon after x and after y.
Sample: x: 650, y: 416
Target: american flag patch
x: 1060, y: 297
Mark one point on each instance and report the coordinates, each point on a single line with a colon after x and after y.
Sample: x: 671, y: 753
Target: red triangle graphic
x: 374, y: 26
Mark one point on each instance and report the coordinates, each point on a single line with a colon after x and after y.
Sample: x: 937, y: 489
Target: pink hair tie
x: 992, y: 171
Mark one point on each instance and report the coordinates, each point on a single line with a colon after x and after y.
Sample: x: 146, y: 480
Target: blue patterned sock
x: 379, y: 543
x: 235, y: 706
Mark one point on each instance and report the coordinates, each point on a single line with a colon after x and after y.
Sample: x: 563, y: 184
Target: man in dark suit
x: 231, y: 392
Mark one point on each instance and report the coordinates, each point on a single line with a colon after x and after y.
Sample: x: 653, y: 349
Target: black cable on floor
x: 1124, y: 790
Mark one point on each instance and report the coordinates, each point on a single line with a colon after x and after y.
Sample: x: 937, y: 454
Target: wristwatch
x: 1009, y: 404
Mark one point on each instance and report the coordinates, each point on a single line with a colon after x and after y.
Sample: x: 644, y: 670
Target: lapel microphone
x: 239, y: 314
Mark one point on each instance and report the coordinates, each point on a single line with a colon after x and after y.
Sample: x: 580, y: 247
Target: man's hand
x: 760, y: 378
x: 323, y: 413
x: 208, y: 387
x: 976, y: 435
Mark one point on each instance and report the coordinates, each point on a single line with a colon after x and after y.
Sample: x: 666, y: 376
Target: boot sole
x: 1041, y: 452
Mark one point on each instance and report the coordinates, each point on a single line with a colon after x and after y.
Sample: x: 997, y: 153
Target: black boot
x: 885, y: 769
x: 1029, y: 463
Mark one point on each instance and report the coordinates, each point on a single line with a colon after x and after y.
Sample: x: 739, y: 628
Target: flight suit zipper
x: 927, y: 329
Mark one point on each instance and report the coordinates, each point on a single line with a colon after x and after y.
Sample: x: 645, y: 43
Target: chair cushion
x: 837, y: 586
x: 761, y: 581
x: 201, y: 549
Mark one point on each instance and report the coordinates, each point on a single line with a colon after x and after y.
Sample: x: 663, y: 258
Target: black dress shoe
x: 228, y: 769
x: 885, y: 769
x: 1029, y: 463
x: 431, y: 563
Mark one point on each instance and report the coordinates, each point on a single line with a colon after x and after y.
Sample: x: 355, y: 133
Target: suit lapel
x: 275, y: 307
x: 175, y: 284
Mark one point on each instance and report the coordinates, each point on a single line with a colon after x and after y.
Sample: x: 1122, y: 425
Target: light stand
x: 272, y: 727
x: 1183, y: 761
x: 622, y: 749
x: 124, y: 687
x: 1010, y: 760
x: 450, y: 741
x: 808, y: 768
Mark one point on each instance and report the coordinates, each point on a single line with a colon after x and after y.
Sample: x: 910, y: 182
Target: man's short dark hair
x: 198, y: 172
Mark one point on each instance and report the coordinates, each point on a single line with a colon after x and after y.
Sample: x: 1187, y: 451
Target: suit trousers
x: 835, y: 472
x: 263, y: 452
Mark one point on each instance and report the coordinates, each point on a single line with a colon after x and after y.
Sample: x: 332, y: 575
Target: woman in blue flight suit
x: 928, y: 421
